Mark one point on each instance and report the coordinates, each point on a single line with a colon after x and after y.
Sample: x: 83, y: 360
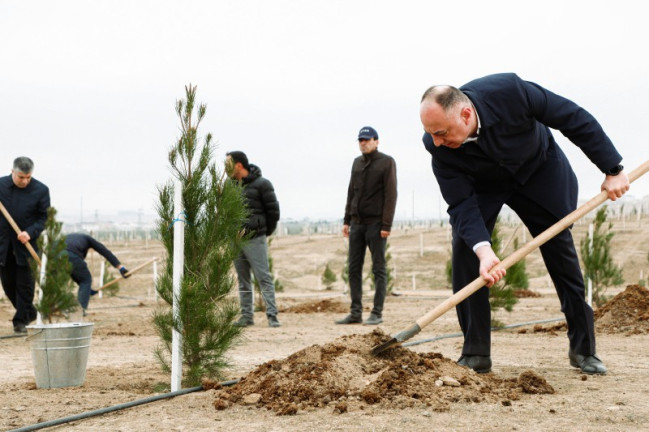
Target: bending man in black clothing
x: 491, y: 145
x: 77, y: 246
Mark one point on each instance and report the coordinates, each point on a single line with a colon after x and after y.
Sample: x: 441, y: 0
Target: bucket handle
x: 32, y: 335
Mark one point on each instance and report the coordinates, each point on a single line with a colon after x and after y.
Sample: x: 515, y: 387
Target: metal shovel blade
x: 397, y: 340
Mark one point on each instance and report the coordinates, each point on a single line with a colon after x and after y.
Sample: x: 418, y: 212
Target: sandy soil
x: 313, y: 374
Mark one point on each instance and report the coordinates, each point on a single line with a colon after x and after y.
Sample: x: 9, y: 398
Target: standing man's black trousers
x: 362, y: 236
x: 18, y: 285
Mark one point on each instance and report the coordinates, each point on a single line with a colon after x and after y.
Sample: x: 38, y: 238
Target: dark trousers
x: 561, y: 261
x: 81, y: 275
x: 18, y: 285
x: 360, y: 238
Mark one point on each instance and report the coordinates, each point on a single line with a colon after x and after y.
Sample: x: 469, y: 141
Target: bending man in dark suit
x: 77, y: 246
x: 491, y: 145
x: 27, y: 200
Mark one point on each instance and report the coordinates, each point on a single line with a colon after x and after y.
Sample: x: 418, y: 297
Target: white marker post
x: 102, y: 274
x: 41, y: 280
x: 155, y: 281
x: 589, y: 296
x: 178, y: 266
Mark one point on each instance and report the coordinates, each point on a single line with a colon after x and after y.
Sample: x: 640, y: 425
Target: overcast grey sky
x: 88, y: 88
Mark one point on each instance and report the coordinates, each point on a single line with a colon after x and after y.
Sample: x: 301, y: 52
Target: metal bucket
x: 60, y: 353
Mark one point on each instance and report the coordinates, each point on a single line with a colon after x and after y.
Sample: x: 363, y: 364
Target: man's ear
x: 465, y: 114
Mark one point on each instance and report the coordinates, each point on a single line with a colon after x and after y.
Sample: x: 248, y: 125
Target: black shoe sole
x: 373, y: 323
x: 463, y: 362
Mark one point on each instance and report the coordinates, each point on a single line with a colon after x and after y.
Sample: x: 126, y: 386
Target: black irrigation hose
x: 115, y: 307
x: 15, y: 335
x: 101, y: 411
x: 454, y: 335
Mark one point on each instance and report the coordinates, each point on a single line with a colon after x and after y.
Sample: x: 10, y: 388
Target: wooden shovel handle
x: 18, y: 231
x: 114, y: 281
x: 522, y: 252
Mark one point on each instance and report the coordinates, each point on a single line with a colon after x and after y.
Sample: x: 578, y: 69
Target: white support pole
x: 102, y: 274
x: 421, y: 244
x: 178, y: 267
x: 414, y: 283
x: 589, y: 298
x: 155, y: 281
x: 41, y: 280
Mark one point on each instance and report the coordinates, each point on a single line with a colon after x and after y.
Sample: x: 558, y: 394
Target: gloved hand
x: 93, y: 292
x: 123, y: 271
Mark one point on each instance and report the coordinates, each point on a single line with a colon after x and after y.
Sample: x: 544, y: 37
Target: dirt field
x: 312, y: 374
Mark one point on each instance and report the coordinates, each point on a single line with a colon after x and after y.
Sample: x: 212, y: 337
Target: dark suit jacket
x: 28, y: 208
x: 516, y: 151
x: 79, y: 244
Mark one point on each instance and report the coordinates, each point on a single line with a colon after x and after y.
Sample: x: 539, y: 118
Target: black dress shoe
x: 244, y: 322
x: 273, y: 321
x: 350, y: 319
x: 480, y: 364
x: 373, y: 320
x: 590, y: 364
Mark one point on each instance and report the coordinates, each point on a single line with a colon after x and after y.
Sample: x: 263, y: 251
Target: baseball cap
x: 367, y: 132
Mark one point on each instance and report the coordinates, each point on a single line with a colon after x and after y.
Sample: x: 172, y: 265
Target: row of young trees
x: 598, y: 267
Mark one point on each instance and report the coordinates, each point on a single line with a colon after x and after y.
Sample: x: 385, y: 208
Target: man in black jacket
x: 26, y: 200
x: 491, y: 145
x: 263, y: 216
x: 371, y: 200
x: 77, y: 246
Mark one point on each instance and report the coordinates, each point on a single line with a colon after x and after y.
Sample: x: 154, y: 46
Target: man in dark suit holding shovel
x: 26, y: 200
x: 491, y: 145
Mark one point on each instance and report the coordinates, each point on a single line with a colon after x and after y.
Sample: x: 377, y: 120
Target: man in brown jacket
x: 371, y: 199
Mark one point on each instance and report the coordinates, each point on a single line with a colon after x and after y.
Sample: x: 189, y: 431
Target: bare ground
x: 313, y: 374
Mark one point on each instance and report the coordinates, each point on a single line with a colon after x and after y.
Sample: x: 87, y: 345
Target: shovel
x: 11, y: 221
x: 114, y: 281
x: 512, y: 259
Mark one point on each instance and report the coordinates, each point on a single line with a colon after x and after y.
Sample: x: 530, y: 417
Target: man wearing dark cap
x: 371, y: 200
x: 263, y: 215
x: 26, y: 200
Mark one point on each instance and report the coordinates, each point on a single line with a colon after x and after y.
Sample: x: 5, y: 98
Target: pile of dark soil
x: 343, y: 375
x: 326, y: 305
x: 627, y: 312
